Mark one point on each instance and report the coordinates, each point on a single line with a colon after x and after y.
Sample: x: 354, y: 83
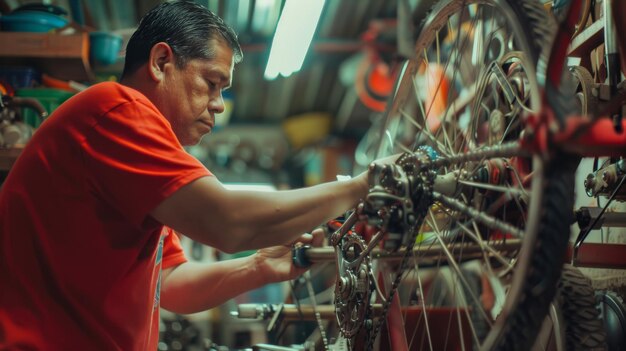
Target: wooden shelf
x: 62, y: 56
x: 8, y: 157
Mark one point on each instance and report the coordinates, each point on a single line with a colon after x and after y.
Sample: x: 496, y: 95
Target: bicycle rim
x: 473, y: 80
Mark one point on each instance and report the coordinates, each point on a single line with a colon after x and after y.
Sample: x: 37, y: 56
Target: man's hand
x: 276, y: 261
x: 363, y: 177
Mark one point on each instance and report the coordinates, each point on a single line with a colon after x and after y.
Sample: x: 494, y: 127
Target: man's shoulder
x: 112, y: 91
x: 104, y: 98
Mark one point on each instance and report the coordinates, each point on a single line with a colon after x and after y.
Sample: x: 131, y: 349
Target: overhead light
x: 265, y: 16
x: 293, y: 36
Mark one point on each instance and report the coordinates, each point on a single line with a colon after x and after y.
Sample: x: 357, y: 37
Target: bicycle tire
x: 544, y: 244
x: 575, y: 322
x: 613, y: 312
x: 584, y: 329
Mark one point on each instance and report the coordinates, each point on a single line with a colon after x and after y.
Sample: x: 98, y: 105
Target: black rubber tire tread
x: 584, y: 330
x: 558, y: 201
x: 557, y: 205
x: 557, y: 213
x: 545, y: 268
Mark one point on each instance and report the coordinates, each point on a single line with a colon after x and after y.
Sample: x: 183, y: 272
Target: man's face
x: 193, y: 94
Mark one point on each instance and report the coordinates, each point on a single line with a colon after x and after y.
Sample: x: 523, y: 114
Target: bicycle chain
x: 427, y: 179
x: 372, y: 337
x: 318, y: 317
x: 418, y: 165
x: 394, y: 288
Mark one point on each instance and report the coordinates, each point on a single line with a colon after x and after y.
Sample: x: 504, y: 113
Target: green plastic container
x: 50, y: 99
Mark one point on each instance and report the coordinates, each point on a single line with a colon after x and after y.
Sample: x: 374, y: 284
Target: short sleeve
x: 173, y: 253
x: 134, y: 161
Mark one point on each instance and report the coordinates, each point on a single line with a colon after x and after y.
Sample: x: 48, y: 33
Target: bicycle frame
x: 547, y: 132
x: 581, y: 135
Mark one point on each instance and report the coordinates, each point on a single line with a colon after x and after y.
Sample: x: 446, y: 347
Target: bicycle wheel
x: 574, y: 322
x: 583, y: 325
x: 485, y: 262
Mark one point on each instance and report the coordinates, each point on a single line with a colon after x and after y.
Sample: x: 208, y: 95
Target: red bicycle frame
x: 581, y: 135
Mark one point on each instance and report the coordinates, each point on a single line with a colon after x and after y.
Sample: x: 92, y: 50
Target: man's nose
x: 216, y: 104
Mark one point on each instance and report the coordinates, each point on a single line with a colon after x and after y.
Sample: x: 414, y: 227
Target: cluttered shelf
x: 46, y: 57
x: 62, y: 56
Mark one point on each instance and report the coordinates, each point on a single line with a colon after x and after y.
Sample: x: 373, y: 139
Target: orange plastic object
x: 6, y: 89
x: 54, y: 83
x: 435, y: 86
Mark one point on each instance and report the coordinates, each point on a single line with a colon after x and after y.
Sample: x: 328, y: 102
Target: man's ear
x: 160, y: 55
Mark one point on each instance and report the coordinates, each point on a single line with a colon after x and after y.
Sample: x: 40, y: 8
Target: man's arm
x: 193, y: 287
x: 234, y: 221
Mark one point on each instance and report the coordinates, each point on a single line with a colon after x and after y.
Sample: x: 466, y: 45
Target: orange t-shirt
x: 80, y: 256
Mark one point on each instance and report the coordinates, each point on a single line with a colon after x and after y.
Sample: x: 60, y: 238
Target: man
x: 86, y: 253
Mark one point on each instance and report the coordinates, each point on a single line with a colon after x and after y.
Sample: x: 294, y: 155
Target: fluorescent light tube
x: 293, y: 36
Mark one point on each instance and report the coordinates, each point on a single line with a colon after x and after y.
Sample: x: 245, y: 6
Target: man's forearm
x: 278, y: 217
x: 194, y: 287
x: 204, y: 210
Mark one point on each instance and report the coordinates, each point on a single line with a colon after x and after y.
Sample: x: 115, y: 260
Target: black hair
x: 186, y: 27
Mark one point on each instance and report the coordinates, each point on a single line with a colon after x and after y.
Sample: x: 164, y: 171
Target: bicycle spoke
x: 452, y: 263
x: 514, y: 192
x: 456, y: 69
x: 424, y: 313
x: 426, y: 114
x: 477, y: 48
x: 484, y: 246
x: 464, y: 96
x: 506, y: 150
x: 479, y: 216
x: 441, y: 147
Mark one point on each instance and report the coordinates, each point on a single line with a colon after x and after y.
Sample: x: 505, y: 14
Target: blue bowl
x: 104, y: 47
x: 31, y: 21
